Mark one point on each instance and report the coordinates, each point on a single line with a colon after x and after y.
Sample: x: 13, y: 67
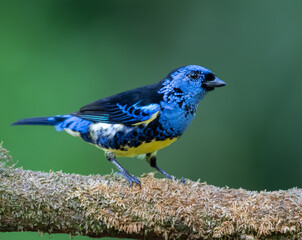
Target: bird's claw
x: 131, y: 179
x: 182, y: 180
x: 167, y: 175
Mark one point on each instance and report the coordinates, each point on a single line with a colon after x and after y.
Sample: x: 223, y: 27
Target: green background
x: 56, y: 56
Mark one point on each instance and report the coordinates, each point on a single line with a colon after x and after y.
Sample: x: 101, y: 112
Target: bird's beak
x: 213, y: 84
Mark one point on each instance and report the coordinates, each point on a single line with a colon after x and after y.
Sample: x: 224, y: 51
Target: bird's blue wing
x: 125, y: 114
x: 133, y: 107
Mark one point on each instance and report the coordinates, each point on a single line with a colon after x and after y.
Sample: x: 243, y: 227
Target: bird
x: 141, y: 121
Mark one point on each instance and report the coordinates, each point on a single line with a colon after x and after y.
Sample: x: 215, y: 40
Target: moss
x: 98, y: 206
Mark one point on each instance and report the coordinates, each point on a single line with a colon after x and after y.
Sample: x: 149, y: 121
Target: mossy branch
x: 104, y: 206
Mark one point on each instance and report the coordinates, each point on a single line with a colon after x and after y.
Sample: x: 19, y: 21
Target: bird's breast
x: 177, y: 119
x: 132, y: 140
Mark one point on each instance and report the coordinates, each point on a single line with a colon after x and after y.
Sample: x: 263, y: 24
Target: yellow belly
x: 143, y: 148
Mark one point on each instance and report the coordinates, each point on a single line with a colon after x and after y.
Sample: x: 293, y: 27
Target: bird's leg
x: 151, y: 159
x: 131, y: 179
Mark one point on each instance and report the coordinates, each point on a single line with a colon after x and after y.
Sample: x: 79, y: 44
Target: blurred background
x: 58, y: 55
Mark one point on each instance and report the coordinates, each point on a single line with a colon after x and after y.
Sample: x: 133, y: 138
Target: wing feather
x: 133, y: 107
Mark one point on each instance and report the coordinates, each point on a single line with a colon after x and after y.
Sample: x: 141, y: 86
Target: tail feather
x: 61, y: 122
x: 49, y: 121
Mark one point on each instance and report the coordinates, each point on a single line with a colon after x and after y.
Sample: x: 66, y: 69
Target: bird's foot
x: 182, y: 180
x: 167, y: 175
x: 131, y: 179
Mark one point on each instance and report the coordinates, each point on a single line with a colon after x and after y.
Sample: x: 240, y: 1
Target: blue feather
x: 124, y: 114
x: 74, y: 123
x: 48, y: 121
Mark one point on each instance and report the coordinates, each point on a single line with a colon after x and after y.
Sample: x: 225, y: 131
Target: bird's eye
x: 194, y: 75
x: 209, y: 77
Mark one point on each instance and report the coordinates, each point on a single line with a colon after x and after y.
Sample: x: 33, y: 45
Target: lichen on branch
x: 104, y: 206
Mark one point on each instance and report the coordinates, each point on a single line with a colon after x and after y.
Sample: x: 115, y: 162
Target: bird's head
x: 190, y: 82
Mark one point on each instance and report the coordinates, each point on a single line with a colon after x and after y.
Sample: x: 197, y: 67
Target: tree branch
x: 104, y: 206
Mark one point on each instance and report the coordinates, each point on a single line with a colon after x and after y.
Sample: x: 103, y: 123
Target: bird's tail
x: 61, y: 122
x: 49, y: 121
